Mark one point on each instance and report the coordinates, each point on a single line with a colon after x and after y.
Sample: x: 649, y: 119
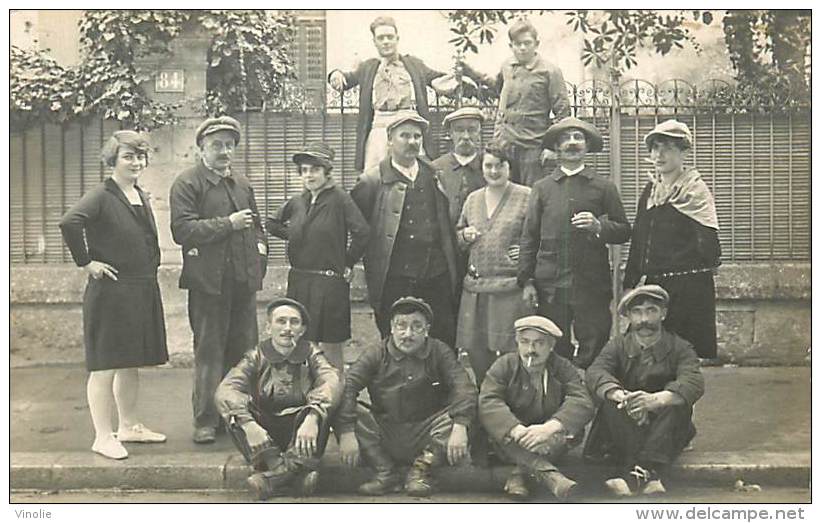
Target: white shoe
x: 110, y: 448
x: 654, y: 487
x: 139, y: 433
x: 618, y: 487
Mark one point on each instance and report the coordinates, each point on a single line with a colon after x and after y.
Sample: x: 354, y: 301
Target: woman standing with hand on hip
x: 112, y: 235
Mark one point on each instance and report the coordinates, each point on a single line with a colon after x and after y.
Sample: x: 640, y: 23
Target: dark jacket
x: 508, y: 398
x: 200, y: 207
x: 552, y: 249
x: 407, y: 388
x: 666, y: 240
x: 380, y: 195
x: 459, y: 181
x: 274, y: 385
x: 364, y: 75
x: 318, y: 235
x: 104, y: 227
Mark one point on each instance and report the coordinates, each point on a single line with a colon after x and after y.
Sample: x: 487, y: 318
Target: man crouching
x: 534, y: 406
x: 422, y: 404
x: 276, y: 404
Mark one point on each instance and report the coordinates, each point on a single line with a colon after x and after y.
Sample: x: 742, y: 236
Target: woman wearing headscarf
x: 675, y: 238
x: 112, y: 235
x: 318, y: 225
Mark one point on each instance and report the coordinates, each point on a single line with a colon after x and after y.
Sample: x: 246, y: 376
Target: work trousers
x: 225, y: 328
x: 525, y: 164
x: 435, y: 291
x: 653, y: 445
x: 540, y: 461
x: 590, y: 320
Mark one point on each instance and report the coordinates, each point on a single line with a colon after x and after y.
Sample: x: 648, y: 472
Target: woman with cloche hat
x: 317, y: 225
x: 675, y: 238
x: 112, y: 235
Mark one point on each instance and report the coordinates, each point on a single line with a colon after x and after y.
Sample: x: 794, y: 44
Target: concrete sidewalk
x: 754, y: 424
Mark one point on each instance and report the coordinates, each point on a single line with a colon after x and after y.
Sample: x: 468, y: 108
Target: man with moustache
x: 276, y: 403
x: 390, y: 83
x: 422, y: 403
x: 564, y: 268
x: 460, y: 170
x: 224, y: 257
x: 412, y: 248
x: 534, y: 406
x: 648, y: 380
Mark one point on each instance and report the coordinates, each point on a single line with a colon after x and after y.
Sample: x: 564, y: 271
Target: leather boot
x: 274, y: 482
x: 557, y: 483
x: 516, y: 485
x: 386, y: 480
x: 418, y: 481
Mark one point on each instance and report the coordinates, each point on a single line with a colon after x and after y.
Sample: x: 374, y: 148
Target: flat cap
x: 317, y: 153
x: 463, y: 114
x: 279, y: 302
x: 407, y: 115
x: 213, y: 125
x: 416, y: 303
x: 595, y: 142
x: 653, y: 291
x: 539, y: 323
x: 672, y: 128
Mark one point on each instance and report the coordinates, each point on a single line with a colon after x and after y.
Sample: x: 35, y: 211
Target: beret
x: 539, y: 323
x: 278, y: 302
x: 462, y: 114
x: 213, y: 125
x: 417, y: 303
x: 315, y: 153
x: 406, y: 115
x: 672, y: 128
x: 595, y: 142
x: 654, y: 291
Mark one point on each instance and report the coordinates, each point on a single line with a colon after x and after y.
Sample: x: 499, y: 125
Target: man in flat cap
x: 532, y: 94
x: 276, y: 403
x: 422, y: 403
x: 412, y: 249
x: 647, y: 380
x: 534, y: 406
x: 460, y: 170
x: 390, y: 83
x: 572, y: 215
x: 224, y: 250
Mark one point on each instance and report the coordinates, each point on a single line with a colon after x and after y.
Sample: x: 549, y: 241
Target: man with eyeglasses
x: 224, y: 251
x: 422, y: 403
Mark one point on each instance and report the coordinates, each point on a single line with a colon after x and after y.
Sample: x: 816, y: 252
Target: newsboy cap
x: 652, y: 291
x: 315, y: 153
x: 279, y: 302
x: 539, y: 323
x: 406, y: 115
x: 417, y: 304
x: 595, y: 142
x: 213, y: 125
x: 463, y: 114
x: 672, y: 128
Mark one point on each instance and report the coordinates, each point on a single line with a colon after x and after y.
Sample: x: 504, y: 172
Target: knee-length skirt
x: 328, y: 300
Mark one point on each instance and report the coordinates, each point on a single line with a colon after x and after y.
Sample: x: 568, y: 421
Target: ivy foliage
x: 248, y: 65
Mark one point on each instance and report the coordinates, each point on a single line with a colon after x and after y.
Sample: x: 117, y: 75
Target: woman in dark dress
x: 112, y: 235
x: 318, y: 224
x: 675, y: 238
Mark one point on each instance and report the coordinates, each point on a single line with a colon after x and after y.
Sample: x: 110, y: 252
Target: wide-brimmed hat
x: 656, y: 292
x: 407, y: 115
x: 595, y: 142
x: 672, y: 128
x: 213, y: 125
x: 315, y: 153
x: 465, y: 113
x: 539, y: 323
x: 417, y: 304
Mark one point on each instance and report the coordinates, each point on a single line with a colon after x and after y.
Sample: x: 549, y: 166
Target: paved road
x: 716, y: 494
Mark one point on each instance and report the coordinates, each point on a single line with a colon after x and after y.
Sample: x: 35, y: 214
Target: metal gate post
x: 615, y: 176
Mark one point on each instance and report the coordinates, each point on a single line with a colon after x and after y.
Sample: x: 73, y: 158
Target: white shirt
x: 568, y: 172
x: 464, y: 160
x: 409, y: 172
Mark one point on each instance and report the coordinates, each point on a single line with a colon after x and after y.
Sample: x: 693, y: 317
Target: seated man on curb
x: 422, y: 404
x: 648, y: 380
x: 276, y: 404
x: 534, y: 406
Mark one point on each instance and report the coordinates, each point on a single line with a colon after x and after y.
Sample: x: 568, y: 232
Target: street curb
x: 227, y: 471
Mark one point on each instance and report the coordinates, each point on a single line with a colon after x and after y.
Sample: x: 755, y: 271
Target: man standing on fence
x: 530, y: 89
x: 563, y: 263
x: 387, y: 84
x: 214, y: 218
x: 412, y: 248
